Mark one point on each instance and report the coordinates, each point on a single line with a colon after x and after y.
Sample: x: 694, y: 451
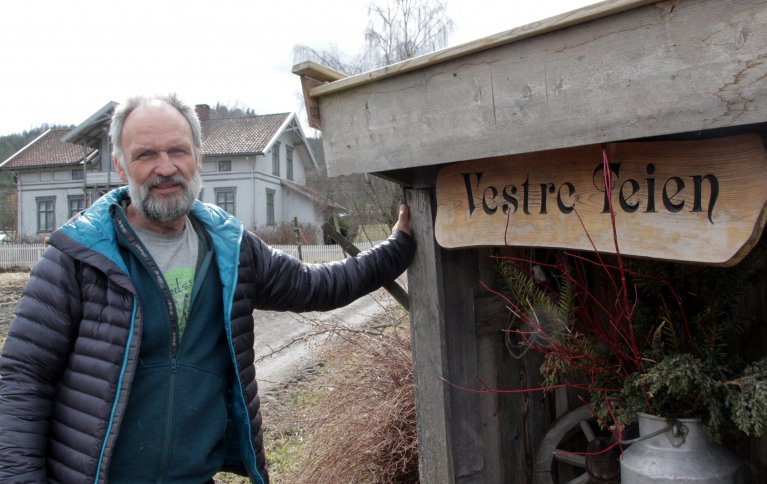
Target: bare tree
x: 397, y: 30
x: 401, y: 29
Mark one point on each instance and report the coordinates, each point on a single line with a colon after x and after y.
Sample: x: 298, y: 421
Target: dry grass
x: 358, y: 425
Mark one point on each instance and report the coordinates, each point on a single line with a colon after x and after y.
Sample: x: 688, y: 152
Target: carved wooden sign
x: 695, y: 201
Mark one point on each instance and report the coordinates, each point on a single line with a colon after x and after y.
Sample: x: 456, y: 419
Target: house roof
x: 230, y: 136
x: 220, y: 137
x: 89, y: 131
x: 48, y: 149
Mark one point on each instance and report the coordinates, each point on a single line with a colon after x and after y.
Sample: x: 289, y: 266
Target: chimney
x: 203, y: 111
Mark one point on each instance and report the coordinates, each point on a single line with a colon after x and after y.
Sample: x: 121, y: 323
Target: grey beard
x: 165, y: 209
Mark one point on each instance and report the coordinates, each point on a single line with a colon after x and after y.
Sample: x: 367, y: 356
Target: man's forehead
x: 155, y: 108
x: 158, y: 117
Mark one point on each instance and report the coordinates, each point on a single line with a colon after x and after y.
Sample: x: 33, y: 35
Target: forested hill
x: 11, y: 143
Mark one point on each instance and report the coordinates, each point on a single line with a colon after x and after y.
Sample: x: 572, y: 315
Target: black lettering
x: 487, y: 208
x: 667, y: 199
x: 544, y: 188
x: 697, y: 205
x: 560, y: 204
x: 624, y: 200
x: 469, y: 191
x: 508, y: 195
x: 526, y: 196
x: 650, y: 170
x: 615, y: 169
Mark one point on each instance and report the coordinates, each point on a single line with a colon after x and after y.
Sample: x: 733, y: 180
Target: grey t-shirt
x: 176, y: 256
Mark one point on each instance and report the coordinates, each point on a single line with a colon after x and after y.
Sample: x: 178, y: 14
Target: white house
x: 254, y: 167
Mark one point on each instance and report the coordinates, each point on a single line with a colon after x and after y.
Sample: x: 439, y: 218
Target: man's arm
x: 282, y: 282
x: 33, y: 359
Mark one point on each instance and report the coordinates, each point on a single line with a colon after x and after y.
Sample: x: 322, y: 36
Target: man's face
x: 162, y: 172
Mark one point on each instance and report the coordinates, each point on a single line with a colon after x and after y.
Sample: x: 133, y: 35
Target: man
x: 131, y: 355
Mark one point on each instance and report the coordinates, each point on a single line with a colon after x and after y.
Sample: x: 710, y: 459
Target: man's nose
x: 165, y: 165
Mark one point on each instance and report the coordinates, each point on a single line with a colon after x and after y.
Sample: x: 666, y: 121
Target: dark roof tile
x: 231, y: 136
x: 47, y: 150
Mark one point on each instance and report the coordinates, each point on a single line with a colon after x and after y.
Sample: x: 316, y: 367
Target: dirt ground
x: 11, y: 284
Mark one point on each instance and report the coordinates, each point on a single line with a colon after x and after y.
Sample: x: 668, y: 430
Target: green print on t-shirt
x: 180, y: 282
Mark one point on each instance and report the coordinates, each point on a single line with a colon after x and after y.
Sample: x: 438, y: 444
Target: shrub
x: 363, y: 429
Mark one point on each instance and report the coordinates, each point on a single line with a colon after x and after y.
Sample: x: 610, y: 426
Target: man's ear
x: 120, y: 172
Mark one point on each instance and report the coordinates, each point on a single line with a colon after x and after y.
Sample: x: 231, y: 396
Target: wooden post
x: 297, y: 230
x: 444, y: 350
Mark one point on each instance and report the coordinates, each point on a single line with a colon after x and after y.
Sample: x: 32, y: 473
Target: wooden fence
x: 320, y: 253
x: 21, y: 256
x: 24, y: 256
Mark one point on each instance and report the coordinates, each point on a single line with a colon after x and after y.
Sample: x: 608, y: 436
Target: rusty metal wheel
x: 561, y: 457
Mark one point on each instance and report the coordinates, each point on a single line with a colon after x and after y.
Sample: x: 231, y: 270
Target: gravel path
x: 286, y: 344
x: 11, y: 284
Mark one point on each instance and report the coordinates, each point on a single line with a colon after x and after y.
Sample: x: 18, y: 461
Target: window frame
x: 276, y: 159
x: 271, y: 220
x: 225, y: 191
x: 49, y: 214
x: 81, y: 205
x: 289, y: 162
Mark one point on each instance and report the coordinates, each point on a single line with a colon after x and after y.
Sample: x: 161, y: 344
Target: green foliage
x: 684, y: 347
x: 683, y: 386
x: 539, y: 309
x: 747, y: 399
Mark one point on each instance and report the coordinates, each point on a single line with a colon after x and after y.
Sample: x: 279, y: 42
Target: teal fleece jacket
x: 177, y: 415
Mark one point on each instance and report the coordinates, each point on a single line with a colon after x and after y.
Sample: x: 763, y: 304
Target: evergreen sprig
x: 683, y: 349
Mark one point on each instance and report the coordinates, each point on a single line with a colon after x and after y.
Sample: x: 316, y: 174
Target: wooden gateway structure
x: 500, y: 142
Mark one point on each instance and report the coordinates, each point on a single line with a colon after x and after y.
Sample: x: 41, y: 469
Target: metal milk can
x: 678, y: 451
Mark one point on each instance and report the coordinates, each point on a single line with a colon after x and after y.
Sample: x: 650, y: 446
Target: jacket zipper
x: 152, y: 267
x: 166, y: 449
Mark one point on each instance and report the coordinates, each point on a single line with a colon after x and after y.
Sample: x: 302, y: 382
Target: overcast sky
x: 63, y: 60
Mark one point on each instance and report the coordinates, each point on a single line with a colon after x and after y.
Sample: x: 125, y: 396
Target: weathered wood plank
x: 314, y: 75
x: 458, y: 281
x: 664, y: 68
x: 442, y: 284
x: 429, y: 345
x: 557, y: 22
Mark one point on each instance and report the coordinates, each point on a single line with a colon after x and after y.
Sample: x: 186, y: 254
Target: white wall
x: 251, y: 177
x: 57, y: 184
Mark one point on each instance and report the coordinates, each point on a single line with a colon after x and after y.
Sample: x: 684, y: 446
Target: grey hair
x: 123, y: 110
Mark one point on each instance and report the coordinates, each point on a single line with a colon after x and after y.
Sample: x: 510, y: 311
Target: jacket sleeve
x: 284, y: 283
x: 33, y: 359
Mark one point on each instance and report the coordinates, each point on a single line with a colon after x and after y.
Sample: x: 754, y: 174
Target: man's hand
x: 403, y: 223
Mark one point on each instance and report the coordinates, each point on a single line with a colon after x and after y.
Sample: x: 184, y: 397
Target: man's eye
x: 176, y: 152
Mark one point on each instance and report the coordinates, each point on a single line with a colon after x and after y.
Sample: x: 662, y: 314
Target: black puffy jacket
x: 70, y: 356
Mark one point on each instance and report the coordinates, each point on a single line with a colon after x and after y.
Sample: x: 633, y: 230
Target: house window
x: 276, y: 159
x: 289, y: 162
x: 225, y: 198
x: 45, y: 214
x: 77, y: 174
x: 269, y: 207
x: 76, y: 205
x: 225, y: 165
